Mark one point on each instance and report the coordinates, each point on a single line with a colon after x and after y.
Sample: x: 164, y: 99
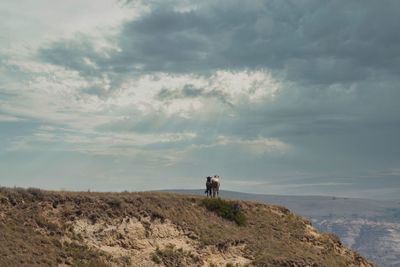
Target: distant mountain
x: 370, y: 227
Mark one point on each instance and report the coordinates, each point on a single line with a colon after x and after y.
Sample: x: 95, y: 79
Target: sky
x: 295, y: 97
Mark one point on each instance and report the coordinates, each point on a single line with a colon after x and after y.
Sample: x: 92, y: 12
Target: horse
x: 215, y: 185
x: 208, y: 187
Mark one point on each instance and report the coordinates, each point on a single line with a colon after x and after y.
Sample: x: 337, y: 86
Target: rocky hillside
x: 370, y: 227
x: 40, y: 228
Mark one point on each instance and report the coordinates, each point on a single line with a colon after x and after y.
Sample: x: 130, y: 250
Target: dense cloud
x: 295, y: 96
x: 316, y: 41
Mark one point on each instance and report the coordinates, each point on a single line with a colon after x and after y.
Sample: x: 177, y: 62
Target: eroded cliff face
x: 155, y: 229
x: 144, y: 242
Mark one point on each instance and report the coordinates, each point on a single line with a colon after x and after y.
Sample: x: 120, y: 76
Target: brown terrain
x: 42, y: 228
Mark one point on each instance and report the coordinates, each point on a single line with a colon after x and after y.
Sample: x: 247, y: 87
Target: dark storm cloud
x: 189, y: 91
x: 319, y: 42
x: 71, y: 54
x: 80, y: 54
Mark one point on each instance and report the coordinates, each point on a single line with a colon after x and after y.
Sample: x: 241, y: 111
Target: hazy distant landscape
x: 370, y: 227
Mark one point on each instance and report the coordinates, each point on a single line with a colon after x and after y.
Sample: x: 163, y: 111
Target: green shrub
x: 226, y: 209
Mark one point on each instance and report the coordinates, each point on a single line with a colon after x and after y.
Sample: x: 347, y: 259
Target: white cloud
x: 253, y: 86
x: 239, y: 87
x: 257, y: 146
x: 8, y: 118
x: 57, y: 95
x: 96, y: 143
x: 25, y: 25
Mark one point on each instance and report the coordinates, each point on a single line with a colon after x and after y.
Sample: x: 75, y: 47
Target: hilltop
x: 370, y: 227
x: 42, y: 228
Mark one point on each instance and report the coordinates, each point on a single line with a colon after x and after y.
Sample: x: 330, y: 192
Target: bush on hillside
x: 226, y: 209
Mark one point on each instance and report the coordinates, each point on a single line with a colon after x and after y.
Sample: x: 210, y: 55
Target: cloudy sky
x: 277, y: 96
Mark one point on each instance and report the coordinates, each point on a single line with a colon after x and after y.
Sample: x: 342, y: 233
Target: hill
x: 41, y: 228
x: 370, y: 227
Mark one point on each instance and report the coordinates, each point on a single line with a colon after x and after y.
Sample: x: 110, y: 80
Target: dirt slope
x: 41, y: 228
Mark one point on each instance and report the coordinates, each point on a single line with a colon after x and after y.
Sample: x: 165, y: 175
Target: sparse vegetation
x: 44, y: 223
x: 171, y: 256
x: 42, y: 228
x: 91, y: 263
x: 226, y: 209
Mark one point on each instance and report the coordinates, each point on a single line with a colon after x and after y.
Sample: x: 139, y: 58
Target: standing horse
x: 215, y: 185
x: 208, y: 187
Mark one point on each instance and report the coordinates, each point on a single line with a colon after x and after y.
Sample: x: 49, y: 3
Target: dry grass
x: 171, y: 256
x: 33, y: 224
